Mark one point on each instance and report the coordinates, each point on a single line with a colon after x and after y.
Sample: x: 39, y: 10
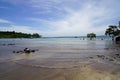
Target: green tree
x: 91, y: 35
x: 112, y: 31
x: 36, y: 35
x: 13, y: 34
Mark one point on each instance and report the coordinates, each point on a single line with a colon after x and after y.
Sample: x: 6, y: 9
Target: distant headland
x: 13, y: 34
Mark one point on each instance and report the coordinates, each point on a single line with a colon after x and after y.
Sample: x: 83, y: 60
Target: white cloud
x: 5, y: 21
x: 91, y: 17
x: 78, y: 22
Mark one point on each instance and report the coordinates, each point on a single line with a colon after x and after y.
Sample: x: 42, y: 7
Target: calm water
x: 68, y: 51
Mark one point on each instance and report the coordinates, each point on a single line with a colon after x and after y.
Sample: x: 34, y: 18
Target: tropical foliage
x: 112, y: 31
x: 91, y: 35
x: 13, y: 34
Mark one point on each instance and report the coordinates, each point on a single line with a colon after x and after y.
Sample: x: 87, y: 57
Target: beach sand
x: 86, y: 70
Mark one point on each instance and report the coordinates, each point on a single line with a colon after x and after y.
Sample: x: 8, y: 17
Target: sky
x: 59, y: 17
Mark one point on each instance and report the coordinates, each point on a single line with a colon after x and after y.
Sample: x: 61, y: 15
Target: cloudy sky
x: 59, y: 17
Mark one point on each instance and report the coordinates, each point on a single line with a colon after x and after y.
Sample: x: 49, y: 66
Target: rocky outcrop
x: 26, y: 50
x: 117, y: 39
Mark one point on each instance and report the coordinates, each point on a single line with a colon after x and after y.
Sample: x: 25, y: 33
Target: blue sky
x: 59, y: 17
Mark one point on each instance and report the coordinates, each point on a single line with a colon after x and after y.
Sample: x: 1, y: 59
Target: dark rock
x: 106, y: 58
x: 11, y: 44
x: 4, y: 44
x: 17, y: 52
x: 117, y: 39
x: 91, y: 57
x: 117, y: 54
x: 114, y: 57
x: 32, y: 50
x: 111, y: 60
x: 13, y: 51
x: 27, y: 50
x: 8, y: 44
x: 101, y: 38
x: 21, y: 52
x: 106, y: 48
x: 100, y: 56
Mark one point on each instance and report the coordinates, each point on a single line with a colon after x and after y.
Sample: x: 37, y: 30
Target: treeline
x: 13, y: 34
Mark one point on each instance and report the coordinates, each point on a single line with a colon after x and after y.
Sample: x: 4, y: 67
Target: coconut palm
x: 91, y: 35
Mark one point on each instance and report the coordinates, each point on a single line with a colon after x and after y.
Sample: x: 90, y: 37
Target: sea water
x: 65, y: 51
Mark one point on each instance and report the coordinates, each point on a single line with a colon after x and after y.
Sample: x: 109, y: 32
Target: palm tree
x: 112, y: 31
x: 91, y: 35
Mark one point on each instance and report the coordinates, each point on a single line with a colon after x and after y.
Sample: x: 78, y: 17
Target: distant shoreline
x: 13, y: 34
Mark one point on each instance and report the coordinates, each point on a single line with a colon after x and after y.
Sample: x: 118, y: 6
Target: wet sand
x: 64, y: 61
x: 86, y: 71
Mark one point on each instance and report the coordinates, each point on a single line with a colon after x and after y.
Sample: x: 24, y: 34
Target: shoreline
x: 88, y: 71
x: 60, y: 60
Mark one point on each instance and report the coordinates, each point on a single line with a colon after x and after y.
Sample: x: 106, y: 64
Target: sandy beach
x: 63, y: 60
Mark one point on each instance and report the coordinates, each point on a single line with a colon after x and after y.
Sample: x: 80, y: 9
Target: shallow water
x: 68, y: 51
x: 57, y: 54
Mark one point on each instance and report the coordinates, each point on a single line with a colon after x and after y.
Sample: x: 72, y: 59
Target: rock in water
x: 26, y: 50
